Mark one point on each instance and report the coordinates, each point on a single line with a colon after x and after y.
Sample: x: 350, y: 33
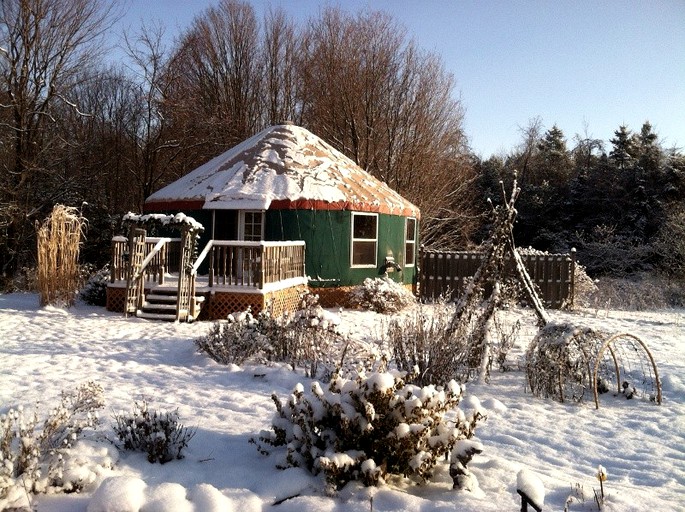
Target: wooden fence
x: 445, y: 273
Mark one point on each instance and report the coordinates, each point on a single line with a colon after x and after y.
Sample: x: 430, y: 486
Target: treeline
x: 78, y: 129
x: 621, y: 205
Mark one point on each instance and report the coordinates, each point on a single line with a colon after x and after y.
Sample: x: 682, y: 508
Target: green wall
x: 327, y: 235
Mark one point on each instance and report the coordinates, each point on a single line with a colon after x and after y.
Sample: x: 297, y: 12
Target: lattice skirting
x: 219, y: 305
x: 116, y: 299
x: 339, y: 297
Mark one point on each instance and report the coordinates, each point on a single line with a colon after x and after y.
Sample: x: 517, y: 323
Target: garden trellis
x: 564, y: 361
x: 568, y: 363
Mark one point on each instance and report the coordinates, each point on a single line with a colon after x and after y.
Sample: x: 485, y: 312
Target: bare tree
x: 154, y: 148
x: 219, y: 61
x: 43, y: 46
x: 281, y: 83
x: 391, y: 107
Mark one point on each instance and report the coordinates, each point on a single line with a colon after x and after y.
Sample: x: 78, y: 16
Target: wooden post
x: 573, y: 277
x: 525, y: 501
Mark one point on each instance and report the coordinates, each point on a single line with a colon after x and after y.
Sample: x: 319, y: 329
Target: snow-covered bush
x: 640, y: 292
x: 158, y: 434
x: 560, y: 361
x: 94, y: 291
x: 33, y: 453
x: 306, y: 338
x: 382, y: 295
x: 302, y: 339
x: 369, y: 426
x: 423, y: 340
x: 236, y: 339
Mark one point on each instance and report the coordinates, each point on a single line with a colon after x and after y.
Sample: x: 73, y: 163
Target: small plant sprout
x: 601, y: 476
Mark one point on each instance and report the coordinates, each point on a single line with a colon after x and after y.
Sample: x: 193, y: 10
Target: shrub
x: 158, y: 434
x: 382, y: 295
x: 639, y: 293
x: 304, y: 338
x: 33, y: 453
x: 307, y: 338
x: 235, y: 340
x: 369, y: 426
x: 423, y: 340
x: 94, y: 291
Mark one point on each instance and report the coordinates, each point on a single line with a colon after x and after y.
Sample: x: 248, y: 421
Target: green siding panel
x: 327, y: 235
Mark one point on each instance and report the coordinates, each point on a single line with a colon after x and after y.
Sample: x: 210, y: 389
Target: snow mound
x: 529, y: 483
x: 131, y: 494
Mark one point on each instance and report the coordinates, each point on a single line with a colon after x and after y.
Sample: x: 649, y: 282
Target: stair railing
x: 134, y: 284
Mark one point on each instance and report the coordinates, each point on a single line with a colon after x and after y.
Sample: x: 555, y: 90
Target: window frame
x: 353, y: 240
x: 241, y: 224
x: 408, y: 242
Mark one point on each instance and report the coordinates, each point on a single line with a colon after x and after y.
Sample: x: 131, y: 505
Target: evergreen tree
x: 623, y: 154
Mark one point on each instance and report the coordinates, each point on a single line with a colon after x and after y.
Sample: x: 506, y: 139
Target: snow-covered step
x: 162, y: 306
x: 169, y: 317
x: 155, y: 297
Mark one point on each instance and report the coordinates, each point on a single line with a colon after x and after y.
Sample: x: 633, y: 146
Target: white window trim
x: 353, y: 240
x: 241, y: 223
x: 412, y: 242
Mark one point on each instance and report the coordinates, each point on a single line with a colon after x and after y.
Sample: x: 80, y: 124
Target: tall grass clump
x: 59, y: 242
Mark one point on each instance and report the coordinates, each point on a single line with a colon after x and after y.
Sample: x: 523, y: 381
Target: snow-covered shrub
x: 423, y: 340
x: 94, y: 291
x: 33, y: 453
x: 158, y: 434
x: 236, y: 339
x: 560, y: 361
x: 305, y: 338
x: 382, y: 295
x: 302, y: 339
x: 584, y: 288
x: 369, y: 426
x: 640, y: 292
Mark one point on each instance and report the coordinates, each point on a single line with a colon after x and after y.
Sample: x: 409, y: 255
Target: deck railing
x: 252, y: 264
x: 165, y: 261
x: 230, y: 262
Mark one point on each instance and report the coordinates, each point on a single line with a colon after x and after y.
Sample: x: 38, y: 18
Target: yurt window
x: 410, y: 242
x: 251, y: 225
x: 364, y: 239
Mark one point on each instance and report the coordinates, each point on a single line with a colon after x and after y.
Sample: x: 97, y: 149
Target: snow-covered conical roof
x: 282, y: 167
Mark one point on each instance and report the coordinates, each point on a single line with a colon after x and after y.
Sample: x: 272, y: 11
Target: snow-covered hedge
x: 382, y: 295
x: 368, y: 426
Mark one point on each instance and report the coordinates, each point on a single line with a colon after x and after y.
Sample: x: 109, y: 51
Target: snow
x: 286, y: 163
x: 528, y: 483
x: 638, y: 444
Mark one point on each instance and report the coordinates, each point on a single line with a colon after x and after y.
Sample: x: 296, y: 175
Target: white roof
x: 282, y: 167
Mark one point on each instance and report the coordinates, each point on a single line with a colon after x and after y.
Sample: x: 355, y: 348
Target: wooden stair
x: 160, y: 304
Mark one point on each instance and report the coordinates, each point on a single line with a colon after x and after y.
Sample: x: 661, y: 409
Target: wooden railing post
x: 211, y: 267
x: 572, y: 291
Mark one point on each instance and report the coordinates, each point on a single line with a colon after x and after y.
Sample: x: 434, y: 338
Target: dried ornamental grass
x: 59, y: 242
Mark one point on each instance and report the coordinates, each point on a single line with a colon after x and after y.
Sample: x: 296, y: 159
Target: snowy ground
x: 45, y: 350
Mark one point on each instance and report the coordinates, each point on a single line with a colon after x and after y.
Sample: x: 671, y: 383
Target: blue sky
x: 582, y: 64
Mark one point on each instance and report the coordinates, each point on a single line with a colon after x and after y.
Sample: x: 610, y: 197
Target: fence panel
x: 445, y: 273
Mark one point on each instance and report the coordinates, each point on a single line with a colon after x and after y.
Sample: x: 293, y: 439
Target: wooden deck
x: 239, y: 274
